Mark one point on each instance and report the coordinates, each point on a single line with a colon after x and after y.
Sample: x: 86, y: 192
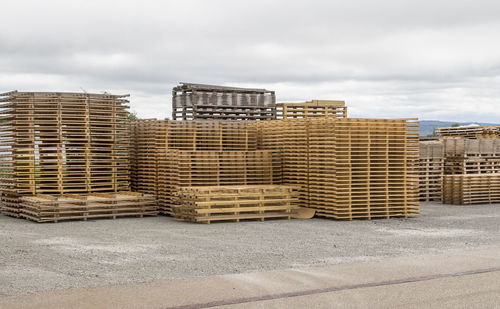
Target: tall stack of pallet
x: 471, y: 168
x: 353, y: 168
x: 174, y: 154
x: 144, y: 166
x: 291, y: 138
x: 59, y: 143
x: 311, y: 109
x: 431, y: 170
x: 210, y: 102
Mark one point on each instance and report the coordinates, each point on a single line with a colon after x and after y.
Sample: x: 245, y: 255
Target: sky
x: 435, y: 60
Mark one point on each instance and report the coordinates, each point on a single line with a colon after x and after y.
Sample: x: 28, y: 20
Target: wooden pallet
x: 145, y: 167
x: 471, y: 156
x: 9, y: 203
x: 50, y: 208
x: 431, y: 169
x: 153, y: 137
x: 311, y: 109
x: 209, y: 135
x: 209, y: 102
x: 471, y: 189
x: 234, y: 203
x: 480, y: 164
x: 471, y: 147
x: 430, y: 178
x: 59, y: 143
x: 180, y: 168
x: 471, y: 132
x: 352, y: 168
x: 375, y: 169
x: 291, y: 138
x: 431, y: 149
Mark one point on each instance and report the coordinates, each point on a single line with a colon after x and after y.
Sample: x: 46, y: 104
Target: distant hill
x: 427, y: 126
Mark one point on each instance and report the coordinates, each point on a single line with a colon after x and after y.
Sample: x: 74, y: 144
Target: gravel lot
x: 36, y: 257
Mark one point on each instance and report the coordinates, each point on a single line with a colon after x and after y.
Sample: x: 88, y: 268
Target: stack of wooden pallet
x: 311, y: 109
x: 234, y: 203
x: 469, y: 156
x: 471, y: 189
x: 209, y: 102
x: 472, y: 169
x: 144, y: 165
x: 180, y: 168
x: 171, y: 154
x: 50, y: 208
x: 470, y: 132
x: 291, y: 138
x: 58, y: 143
x: 153, y: 137
x: 354, y: 168
x: 207, y: 135
x: 431, y: 170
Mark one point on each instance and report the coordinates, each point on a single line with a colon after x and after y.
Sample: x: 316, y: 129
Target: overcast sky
x: 428, y: 59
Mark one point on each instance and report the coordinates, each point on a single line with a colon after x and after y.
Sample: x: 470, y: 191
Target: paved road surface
x: 467, y: 279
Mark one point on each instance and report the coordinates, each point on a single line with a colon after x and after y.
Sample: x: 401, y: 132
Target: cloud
x: 426, y: 59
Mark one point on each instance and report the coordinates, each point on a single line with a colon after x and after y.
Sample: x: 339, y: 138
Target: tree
x: 455, y: 125
x: 132, y: 115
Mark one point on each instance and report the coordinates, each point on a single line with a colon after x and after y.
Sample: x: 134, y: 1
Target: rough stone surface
x: 37, y: 257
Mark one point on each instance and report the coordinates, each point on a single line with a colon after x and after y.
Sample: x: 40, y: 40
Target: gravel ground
x: 36, y: 257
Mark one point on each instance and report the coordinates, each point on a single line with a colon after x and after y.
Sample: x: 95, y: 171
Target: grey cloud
x: 431, y: 59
